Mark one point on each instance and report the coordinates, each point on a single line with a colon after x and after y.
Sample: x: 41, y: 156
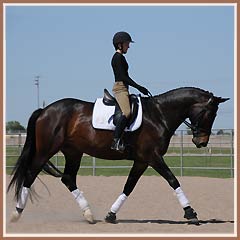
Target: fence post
x: 19, y: 143
x: 56, y: 160
x: 94, y: 166
x: 181, y: 157
x: 232, y: 152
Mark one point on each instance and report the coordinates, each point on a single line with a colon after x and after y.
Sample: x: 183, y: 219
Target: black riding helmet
x: 121, y: 37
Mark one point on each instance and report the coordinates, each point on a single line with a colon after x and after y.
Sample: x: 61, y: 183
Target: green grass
x: 172, y: 161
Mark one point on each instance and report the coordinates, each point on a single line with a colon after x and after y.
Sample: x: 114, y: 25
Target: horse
x: 66, y: 126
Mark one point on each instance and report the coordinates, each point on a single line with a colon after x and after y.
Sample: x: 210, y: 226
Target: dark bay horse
x: 66, y: 126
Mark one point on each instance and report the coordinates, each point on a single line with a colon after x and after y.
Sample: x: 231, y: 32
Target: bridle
x: 196, y: 130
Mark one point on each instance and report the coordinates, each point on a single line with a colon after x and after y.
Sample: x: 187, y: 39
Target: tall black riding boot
x: 117, y: 144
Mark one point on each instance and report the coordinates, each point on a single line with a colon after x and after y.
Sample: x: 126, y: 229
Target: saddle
x: 109, y: 100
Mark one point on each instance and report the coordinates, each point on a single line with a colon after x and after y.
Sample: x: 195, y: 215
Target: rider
x: 121, y: 42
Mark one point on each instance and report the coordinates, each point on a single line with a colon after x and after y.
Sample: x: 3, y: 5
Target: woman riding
x: 121, y: 42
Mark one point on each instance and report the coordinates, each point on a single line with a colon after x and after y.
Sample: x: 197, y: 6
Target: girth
x: 109, y: 100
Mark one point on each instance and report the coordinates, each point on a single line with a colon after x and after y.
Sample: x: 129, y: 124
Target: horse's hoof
x: 194, y: 221
x: 88, y: 216
x: 111, y: 218
x: 15, y: 216
x: 191, y: 215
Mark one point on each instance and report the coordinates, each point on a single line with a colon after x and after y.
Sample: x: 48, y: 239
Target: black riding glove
x: 143, y: 90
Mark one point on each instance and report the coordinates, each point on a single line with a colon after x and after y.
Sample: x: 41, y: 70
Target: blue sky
x: 70, y: 48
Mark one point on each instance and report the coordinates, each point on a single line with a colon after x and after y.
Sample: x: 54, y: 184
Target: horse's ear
x: 221, y: 100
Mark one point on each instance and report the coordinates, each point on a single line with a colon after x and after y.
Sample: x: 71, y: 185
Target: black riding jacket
x: 120, y: 70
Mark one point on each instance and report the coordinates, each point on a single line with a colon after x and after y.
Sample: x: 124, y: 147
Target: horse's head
x: 202, y: 116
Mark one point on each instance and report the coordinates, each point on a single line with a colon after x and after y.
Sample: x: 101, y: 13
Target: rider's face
x: 125, y: 47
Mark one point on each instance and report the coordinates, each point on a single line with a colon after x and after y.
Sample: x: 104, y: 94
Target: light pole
x: 36, y: 80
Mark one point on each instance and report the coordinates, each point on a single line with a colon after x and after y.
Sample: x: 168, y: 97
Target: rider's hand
x: 143, y: 90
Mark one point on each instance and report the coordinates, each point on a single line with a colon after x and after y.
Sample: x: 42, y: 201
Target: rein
x: 195, y: 128
x: 191, y: 126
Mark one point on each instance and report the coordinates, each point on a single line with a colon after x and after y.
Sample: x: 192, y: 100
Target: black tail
x: 23, y: 162
x: 50, y: 168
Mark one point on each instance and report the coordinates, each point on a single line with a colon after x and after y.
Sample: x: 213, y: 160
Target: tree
x: 14, y: 126
x: 220, y: 132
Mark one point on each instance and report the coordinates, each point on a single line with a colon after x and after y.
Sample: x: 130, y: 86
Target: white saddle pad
x: 102, y: 116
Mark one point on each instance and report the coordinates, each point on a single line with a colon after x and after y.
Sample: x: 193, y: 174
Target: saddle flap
x: 103, y: 116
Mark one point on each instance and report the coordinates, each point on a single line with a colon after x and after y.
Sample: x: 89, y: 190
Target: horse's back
x: 59, y: 119
x: 67, y: 103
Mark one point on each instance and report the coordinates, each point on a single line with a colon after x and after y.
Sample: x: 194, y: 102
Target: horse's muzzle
x: 201, y: 141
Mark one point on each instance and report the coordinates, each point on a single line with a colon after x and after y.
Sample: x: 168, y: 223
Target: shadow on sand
x: 201, y: 222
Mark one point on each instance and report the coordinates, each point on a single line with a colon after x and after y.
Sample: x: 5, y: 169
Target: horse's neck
x: 174, y: 112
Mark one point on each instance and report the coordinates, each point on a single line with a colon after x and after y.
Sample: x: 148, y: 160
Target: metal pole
x: 94, y: 166
x: 19, y: 143
x: 232, y: 152
x: 181, y: 157
x: 37, y: 84
x: 57, y: 160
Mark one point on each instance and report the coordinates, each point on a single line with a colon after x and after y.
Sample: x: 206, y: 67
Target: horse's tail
x: 50, y: 168
x: 20, y: 169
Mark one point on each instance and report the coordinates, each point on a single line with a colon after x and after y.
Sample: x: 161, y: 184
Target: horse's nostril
x: 202, y: 144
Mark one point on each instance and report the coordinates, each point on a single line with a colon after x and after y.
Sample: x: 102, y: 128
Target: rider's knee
x: 127, y: 113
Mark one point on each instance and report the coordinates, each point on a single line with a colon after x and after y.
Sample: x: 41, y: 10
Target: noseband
x: 196, y: 130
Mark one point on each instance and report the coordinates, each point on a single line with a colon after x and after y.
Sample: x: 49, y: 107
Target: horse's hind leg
x: 161, y: 167
x: 33, y: 171
x: 69, y: 179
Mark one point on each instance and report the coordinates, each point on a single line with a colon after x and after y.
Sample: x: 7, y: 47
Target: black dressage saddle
x: 109, y: 100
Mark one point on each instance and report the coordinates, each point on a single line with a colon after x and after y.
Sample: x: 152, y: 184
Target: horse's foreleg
x: 134, y: 175
x: 69, y: 179
x: 161, y: 167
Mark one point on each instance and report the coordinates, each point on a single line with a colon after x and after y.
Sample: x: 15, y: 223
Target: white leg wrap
x: 81, y: 200
x: 23, y: 198
x: 118, y: 203
x: 182, y: 198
